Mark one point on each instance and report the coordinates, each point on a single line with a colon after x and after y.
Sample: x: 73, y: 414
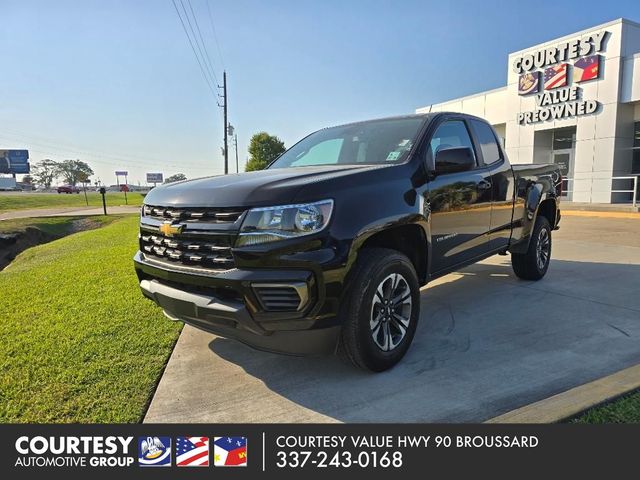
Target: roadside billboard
x: 14, y: 161
x: 155, y: 178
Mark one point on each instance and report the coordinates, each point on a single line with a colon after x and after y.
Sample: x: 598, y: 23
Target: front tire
x: 533, y: 264
x: 380, y: 309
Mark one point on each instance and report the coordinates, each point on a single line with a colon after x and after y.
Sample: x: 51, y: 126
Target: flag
x: 586, y: 68
x: 192, y: 451
x: 154, y: 451
x: 555, y: 77
x: 529, y: 83
x: 230, y: 452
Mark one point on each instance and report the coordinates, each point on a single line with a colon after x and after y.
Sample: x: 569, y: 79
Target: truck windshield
x: 373, y: 142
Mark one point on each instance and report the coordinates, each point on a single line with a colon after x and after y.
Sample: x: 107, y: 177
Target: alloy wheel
x: 543, y: 249
x: 390, y: 312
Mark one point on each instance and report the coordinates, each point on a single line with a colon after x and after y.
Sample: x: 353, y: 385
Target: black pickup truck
x: 326, y: 249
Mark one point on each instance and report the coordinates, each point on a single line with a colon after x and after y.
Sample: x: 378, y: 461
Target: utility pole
x: 235, y: 141
x: 226, y: 123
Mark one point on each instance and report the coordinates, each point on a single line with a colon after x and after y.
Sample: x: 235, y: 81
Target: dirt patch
x: 13, y: 243
x: 83, y: 224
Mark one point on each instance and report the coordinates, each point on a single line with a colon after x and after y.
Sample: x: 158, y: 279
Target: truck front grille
x: 207, y: 253
x: 195, y: 214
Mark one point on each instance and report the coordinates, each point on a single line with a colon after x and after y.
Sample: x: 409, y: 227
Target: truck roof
x: 412, y: 115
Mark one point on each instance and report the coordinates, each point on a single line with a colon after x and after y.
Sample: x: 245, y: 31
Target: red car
x: 68, y: 189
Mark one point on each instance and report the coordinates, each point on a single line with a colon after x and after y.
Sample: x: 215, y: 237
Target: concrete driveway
x: 487, y: 343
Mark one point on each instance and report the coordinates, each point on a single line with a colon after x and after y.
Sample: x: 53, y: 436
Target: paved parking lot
x: 486, y: 343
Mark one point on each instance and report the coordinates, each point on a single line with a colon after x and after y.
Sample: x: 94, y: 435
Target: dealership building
x: 573, y: 101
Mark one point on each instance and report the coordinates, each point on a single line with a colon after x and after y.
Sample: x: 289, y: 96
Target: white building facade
x: 574, y: 101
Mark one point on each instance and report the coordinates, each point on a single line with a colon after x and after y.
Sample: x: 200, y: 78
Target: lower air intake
x: 281, y: 297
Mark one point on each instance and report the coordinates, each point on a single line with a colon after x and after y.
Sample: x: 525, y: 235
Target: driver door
x: 460, y: 202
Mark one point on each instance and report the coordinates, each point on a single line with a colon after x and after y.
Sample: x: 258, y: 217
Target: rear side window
x: 452, y: 133
x: 488, y: 142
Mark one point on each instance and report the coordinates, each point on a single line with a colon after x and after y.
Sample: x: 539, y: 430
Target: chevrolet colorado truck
x: 326, y: 249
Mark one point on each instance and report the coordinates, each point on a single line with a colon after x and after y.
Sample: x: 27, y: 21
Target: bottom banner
x: 313, y: 450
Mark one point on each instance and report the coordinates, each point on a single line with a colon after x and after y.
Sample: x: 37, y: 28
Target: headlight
x: 270, y: 224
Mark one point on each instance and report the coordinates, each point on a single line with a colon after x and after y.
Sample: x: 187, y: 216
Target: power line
x: 204, y: 45
x: 62, y: 150
x: 45, y: 143
x: 205, y: 63
x: 212, y: 75
x: 71, y: 148
x: 215, y: 36
x: 204, y: 75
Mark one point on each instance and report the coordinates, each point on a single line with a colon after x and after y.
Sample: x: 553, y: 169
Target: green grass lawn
x: 625, y: 409
x: 78, y: 342
x: 21, y: 201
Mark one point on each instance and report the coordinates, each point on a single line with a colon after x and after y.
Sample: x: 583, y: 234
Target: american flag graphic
x: 555, y: 77
x: 230, y: 451
x: 586, y: 68
x: 192, y: 451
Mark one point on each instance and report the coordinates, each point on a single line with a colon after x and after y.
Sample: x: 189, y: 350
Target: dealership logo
x: 559, y: 99
x: 73, y: 451
x: 154, y: 451
x: 563, y: 52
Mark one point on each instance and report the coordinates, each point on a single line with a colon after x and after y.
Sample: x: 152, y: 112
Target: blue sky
x: 115, y: 82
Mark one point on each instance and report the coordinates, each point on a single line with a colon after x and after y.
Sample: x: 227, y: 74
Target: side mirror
x: 454, y: 159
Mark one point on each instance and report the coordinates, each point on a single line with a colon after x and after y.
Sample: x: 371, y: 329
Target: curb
x: 603, y: 214
x: 576, y: 400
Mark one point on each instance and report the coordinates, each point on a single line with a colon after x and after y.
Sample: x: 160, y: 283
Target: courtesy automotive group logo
x: 72, y: 451
x: 119, y: 451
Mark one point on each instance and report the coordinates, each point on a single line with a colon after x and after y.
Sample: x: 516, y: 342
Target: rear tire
x: 533, y: 264
x: 380, y: 309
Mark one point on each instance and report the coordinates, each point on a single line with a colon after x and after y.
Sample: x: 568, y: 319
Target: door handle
x: 484, y: 185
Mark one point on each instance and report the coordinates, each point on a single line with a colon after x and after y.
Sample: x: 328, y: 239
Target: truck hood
x: 261, y: 188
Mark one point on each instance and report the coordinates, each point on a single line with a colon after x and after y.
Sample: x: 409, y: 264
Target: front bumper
x: 194, y: 299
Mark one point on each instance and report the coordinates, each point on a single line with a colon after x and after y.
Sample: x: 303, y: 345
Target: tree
x: 263, y: 148
x: 74, y: 171
x: 178, y: 177
x: 45, y: 171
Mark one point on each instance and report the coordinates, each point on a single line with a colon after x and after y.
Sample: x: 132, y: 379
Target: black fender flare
x: 535, y: 195
x: 415, y: 220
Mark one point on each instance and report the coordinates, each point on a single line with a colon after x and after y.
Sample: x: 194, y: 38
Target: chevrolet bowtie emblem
x: 170, y: 230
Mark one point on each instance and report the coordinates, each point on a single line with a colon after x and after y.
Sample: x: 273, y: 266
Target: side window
x: 488, y: 142
x: 452, y: 133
